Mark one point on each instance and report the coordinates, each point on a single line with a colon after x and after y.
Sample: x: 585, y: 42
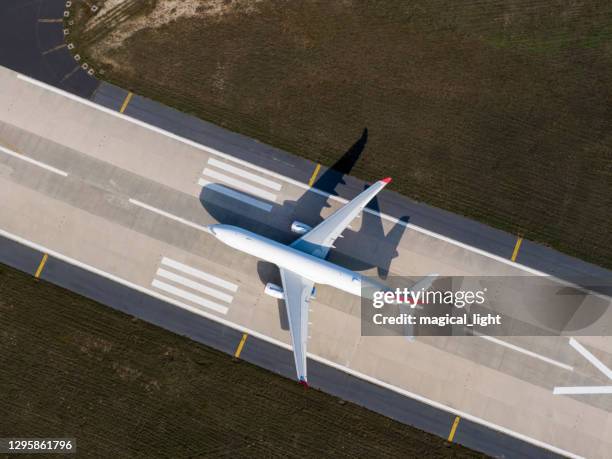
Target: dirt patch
x: 501, y: 111
x: 120, y: 19
x: 141, y: 391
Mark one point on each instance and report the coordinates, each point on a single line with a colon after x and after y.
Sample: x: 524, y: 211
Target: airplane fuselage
x: 313, y: 268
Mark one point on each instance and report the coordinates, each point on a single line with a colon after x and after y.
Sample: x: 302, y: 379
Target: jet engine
x: 275, y: 291
x: 300, y: 228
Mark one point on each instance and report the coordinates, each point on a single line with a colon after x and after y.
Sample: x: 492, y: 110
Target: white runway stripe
x: 581, y: 390
x: 591, y: 358
x: 242, y: 173
x: 199, y: 274
x: 168, y: 215
x: 241, y: 185
x: 189, y: 296
x: 33, y: 161
x: 527, y: 352
x: 194, y: 285
x: 235, y: 195
x: 274, y: 341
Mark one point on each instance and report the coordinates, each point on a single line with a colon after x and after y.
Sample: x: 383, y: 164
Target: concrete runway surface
x: 118, y: 205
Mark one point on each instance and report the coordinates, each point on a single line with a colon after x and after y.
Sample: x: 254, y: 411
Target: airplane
x: 303, y: 264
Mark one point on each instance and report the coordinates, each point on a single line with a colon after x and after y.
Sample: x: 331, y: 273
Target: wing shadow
x: 309, y: 209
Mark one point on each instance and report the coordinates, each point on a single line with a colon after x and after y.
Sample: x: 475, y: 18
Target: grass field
x: 499, y: 110
x: 70, y: 367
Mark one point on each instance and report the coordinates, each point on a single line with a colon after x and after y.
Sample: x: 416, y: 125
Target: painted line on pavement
x: 314, y: 174
x: 241, y: 185
x: 284, y: 345
x: 242, y: 173
x: 451, y: 435
x: 63, y: 45
x: 189, y: 296
x: 304, y: 186
x: 582, y: 390
x: 41, y: 266
x: 263, y: 170
x: 240, y: 345
x: 517, y: 246
x: 27, y: 159
x: 591, y: 358
x: 199, y: 274
x: 168, y: 215
x: 526, y: 352
x: 217, y: 187
x: 69, y: 74
x: 126, y: 101
x: 194, y: 285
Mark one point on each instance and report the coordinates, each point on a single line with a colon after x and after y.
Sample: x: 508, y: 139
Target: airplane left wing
x: 297, y: 291
x: 320, y: 239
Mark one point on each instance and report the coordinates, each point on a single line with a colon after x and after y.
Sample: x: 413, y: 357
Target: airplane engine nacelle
x: 300, y: 228
x: 275, y: 291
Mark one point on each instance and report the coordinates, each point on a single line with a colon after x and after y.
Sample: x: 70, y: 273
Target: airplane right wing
x: 297, y: 290
x: 320, y: 239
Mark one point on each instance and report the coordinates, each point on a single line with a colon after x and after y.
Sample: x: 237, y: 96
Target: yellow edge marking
x: 451, y: 435
x: 314, y: 174
x: 41, y: 266
x: 240, y: 345
x: 126, y: 102
x: 519, y: 241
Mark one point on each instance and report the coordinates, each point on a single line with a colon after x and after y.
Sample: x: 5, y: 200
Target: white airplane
x: 302, y: 264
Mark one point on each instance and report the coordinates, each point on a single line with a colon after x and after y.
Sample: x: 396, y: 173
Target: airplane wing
x: 321, y: 238
x: 297, y: 292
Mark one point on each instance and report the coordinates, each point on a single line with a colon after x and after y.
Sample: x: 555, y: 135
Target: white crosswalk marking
x: 194, y: 285
x: 240, y: 184
x: 189, y: 296
x: 185, y: 282
x: 242, y: 173
x: 199, y: 274
x: 235, y: 195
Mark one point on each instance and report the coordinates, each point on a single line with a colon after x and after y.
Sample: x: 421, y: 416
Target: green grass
x: 70, y: 367
x: 500, y: 111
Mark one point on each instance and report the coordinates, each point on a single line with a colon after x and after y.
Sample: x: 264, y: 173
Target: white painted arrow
x: 578, y: 390
x: 591, y: 358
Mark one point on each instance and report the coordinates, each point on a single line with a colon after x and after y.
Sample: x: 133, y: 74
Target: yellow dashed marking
x: 126, y: 102
x: 314, y: 175
x: 41, y: 266
x: 519, y: 241
x: 240, y: 346
x: 451, y: 435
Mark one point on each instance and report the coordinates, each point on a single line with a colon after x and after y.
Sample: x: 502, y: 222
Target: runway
x: 119, y: 207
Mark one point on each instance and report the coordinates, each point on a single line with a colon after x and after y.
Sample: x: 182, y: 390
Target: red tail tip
x: 304, y: 383
x: 387, y: 180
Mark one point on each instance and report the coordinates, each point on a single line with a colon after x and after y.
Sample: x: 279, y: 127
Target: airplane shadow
x: 309, y: 209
